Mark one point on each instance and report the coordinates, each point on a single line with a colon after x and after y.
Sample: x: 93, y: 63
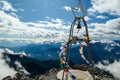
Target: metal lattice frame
x: 78, y: 19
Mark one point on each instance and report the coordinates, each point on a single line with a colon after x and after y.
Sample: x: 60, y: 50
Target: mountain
x: 43, y: 70
x: 33, y: 66
x: 42, y: 57
x: 100, y: 51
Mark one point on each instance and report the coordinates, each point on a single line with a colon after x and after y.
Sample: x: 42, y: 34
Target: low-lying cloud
x: 113, y: 68
x: 5, y: 69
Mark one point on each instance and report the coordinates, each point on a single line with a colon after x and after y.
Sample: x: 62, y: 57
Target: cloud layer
x: 113, y: 68
x: 6, y: 6
x: 50, y: 30
x: 55, y: 29
x: 111, y: 7
x: 5, y: 70
x: 106, y: 31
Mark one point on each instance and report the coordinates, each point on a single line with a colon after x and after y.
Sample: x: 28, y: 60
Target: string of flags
x: 63, y: 54
x: 63, y: 48
x: 81, y: 51
x: 73, y: 77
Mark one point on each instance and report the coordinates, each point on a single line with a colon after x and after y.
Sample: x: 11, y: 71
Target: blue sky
x: 39, y: 9
x: 49, y: 20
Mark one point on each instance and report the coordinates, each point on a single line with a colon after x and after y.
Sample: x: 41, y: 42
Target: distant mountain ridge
x: 40, y: 58
x: 43, y: 69
x: 100, y: 51
x: 33, y: 66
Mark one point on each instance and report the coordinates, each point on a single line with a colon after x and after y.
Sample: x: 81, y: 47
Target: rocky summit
x: 51, y: 74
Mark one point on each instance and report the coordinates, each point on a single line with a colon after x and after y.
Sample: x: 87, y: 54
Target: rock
x: 7, y: 78
x: 77, y: 74
x: 82, y: 67
x: 52, y: 74
x: 99, y: 74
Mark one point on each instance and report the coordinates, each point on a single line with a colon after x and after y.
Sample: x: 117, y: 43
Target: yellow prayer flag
x: 78, y: 79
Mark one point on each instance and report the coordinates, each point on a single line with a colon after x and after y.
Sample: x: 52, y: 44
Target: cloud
x: 49, y: 30
x: 6, y: 6
x: 67, y: 8
x: 52, y: 29
x: 105, y: 31
x: 87, y: 18
x: 20, y: 67
x: 111, y: 7
x: 113, y: 68
x: 20, y: 9
x: 101, y: 17
x: 5, y: 70
x: 8, y: 51
x: 14, y: 15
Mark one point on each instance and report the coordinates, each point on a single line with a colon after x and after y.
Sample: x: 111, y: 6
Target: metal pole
x: 68, y: 49
x: 88, y: 47
x: 69, y: 44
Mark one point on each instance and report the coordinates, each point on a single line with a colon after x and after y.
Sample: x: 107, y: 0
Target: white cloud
x: 5, y: 70
x: 20, y: 67
x: 87, y: 18
x: 113, y: 68
x: 105, y: 31
x: 49, y: 30
x: 21, y: 9
x: 111, y: 7
x: 52, y: 30
x: 6, y: 6
x: 14, y: 15
x: 67, y: 8
x: 101, y: 17
x: 8, y: 51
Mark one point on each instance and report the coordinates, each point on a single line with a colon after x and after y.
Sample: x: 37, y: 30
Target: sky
x: 40, y: 21
x: 50, y: 20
